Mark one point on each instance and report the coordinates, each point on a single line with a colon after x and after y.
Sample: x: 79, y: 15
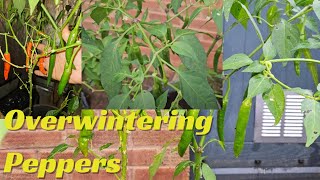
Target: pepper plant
x: 39, y: 27
x: 114, y: 62
x: 293, y: 38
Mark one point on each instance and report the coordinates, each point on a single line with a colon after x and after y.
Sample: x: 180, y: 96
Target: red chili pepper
x: 29, y: 53
x: 6, y: 65
x: 41, y: 67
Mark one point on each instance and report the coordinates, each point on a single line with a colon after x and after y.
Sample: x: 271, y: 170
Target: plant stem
x: 123, y: 135
x: 74, y: 10
x: 123, y: 138
x: 198, y: 153
x: 294, y: 59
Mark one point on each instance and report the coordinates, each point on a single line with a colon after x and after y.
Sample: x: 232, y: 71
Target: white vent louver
x: 290, y: 128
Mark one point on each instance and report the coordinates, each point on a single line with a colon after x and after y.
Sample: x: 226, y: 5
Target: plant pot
x: 17, y: 99
x: 39, y: 110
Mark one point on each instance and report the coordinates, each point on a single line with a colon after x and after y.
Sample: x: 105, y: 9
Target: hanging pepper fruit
x: 69, y: 57
x: 85, y: 135
x: 6, y: 65
x: 29, y: 53
x: 297, y: 63
x: 216, y: 58
x: 41, y: 66
x: 222, y: 113
x: 8, y: 60
x: 137, y: 53
x: 242, y: 122
x: 187, y: 135
x: 313, y: 68
x: 52, y: 62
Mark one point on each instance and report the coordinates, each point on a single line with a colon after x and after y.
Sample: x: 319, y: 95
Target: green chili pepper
x: 241, y: 126
x: 137, y: 53
x: 297, y: 63
x: 222, y: 113
x: 312, y: 66
x: 85, y: 135
x: 187, y: 135
x: 303, y: 2
x: 288, y: 9
x: 186, y: 22
x: 273, y: 14
x: 52, y: 62
x: 157, y: 88
x: 216, y: 58
x: 69, y: 60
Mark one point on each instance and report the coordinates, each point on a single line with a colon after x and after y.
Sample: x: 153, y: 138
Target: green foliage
x: 119, y: 48
x: 289, y: 40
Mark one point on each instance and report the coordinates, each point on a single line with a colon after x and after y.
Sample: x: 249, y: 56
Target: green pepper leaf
x: 207, y: 172
x: 316, y: 8
x: 98, y: 14
x: 105, y: 146
x: 73, y: 104
x: 20, y: 5
x: 236, y: 61
x: 144, y: 100
x: 176, y: 4
x: 159, y: 30
x: 59, y: 149
x: 227, y: 4
x: 275, y: 101
x: 258, y: 84
x: 255, y: 67
x: 121, y: 101
x: 196, y: 90
x: 198, y: 60
x: 269, y: 50
x: 110, y: 66
x: 157, y: 161
x: 239, y: 13
x: 182, y: 166
x: 285, y: 37
x: 162, y: 100
x: 33, y: 4
x: 184, y: 49
x: 311, y: 108
x: 218, y: 19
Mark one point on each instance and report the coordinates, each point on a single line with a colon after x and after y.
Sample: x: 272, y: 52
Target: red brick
x: 27, y: 154
x: 27, y: 139
x: 142, y: 156
x: 172, y: 157
x: 163, y: 173
x: 103, y: 137
x: 20, y: 175
x: 102, y: 175
x: 153, y: 138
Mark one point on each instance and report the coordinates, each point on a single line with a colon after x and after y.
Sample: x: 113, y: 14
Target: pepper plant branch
x: 14, y: 65
x: 74, y: 10
x: 294, y: 59
x: 182, y: 11
x: 23, y: 83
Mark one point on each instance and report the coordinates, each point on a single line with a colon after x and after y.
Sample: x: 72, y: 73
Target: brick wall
x: 142, y: 147
x: 156, y: 13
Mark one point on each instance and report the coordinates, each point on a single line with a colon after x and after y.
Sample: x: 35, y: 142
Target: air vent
x: 289, y: 130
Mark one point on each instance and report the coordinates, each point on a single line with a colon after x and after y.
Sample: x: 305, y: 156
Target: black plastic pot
x: 17, y: 99
x: 39, y: 110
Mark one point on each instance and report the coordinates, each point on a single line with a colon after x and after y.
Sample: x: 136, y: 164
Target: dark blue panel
x: 240, y: 41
